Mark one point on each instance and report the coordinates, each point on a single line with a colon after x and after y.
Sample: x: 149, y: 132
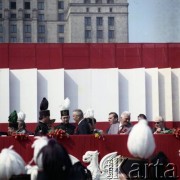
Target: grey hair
x: 126, y: 114
x: 79, y: 112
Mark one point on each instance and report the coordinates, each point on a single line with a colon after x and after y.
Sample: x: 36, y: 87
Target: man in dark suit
x: 82, y: 125
x: 44, y: 117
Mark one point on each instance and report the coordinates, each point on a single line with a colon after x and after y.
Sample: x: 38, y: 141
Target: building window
x: 13, y: 39
x: 87, y: 34
x: 99, y: 34
x: 13, y: 28
x: 41, y: 29
x: 110, y: 9
x: 87, y: 9
x: 87, y: 21
x: 27, y: 16
x: 61, y: 40
x: 110, y: 1
x: 99, y: 9
x: 98, y: 1
x: 87, y: 1
x: 27, y: 5
x: 12, y: 5
x: 0, y: 16
x: 0, y: 4
x: 61, y: 28
x: 99, y: 21
x: 1, y: 39
x: 41, y: 39
x: 41, y: 17
x: 1, y: 28
x: 27, y: 39
x: 27, y: 28
x: 60, y: 4
x: 111, y: 34
x: 13, y: 16
x: 40, y: 5
x: 61, y: 16
x: 111, y: 21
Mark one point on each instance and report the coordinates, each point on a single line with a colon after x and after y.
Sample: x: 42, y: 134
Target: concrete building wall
x: 42, y: 21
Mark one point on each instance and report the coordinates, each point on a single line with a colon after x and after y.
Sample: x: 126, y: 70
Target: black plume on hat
x: 44, y: 104
x: 43, y: 108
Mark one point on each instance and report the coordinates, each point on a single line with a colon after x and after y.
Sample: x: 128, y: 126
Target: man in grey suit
x: 123, y: 126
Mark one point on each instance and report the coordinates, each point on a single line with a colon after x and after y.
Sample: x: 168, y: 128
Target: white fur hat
x: 11, y: 163
x: 89, y: 113
x: 21, y: 116
x: 141, y: 140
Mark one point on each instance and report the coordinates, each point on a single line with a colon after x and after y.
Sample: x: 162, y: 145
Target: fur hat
x: 141, y: 142
x: 21, y: 116
x: 43, y: 108
x: 64, y: 108
x: 13, y: 120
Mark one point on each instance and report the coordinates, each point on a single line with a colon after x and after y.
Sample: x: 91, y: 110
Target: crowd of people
x: 52, y: 159
x: 84, y: 123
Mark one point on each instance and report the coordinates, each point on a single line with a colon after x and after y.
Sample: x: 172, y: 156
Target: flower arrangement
x: 99, y: 135
x: 58, y: 134
x: 176, y: 132
x: 20, y: 136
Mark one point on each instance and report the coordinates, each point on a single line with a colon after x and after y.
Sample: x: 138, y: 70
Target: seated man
x: 123, y: 126
x: 65, y: 125
x: 113, y: 119
x: 21, y: 127
x: 159, y: 126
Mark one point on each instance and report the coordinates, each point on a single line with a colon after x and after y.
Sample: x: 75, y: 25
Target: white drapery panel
x: 150, y: 91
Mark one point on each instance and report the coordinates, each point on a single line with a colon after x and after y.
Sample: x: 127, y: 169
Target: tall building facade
x: 70, y: 21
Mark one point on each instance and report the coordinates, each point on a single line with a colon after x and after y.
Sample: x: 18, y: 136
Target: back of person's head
x: 56, y: 162
x: 142, y: 116
x: 11, y: 163
x: 79, y: 172
x: 158, y: 165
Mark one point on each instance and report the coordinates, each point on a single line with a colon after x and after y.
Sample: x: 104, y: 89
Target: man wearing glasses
x: 159, y: 127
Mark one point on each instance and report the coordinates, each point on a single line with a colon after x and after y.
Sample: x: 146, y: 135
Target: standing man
x: 123, y: 126
x: 44, y: 117
x: 65, y: 125
x: 82, y: 125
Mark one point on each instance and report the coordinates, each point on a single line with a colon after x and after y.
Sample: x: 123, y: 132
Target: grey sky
x: 154, y: 21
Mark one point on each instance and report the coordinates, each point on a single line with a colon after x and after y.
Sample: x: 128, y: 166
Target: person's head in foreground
x: 55, y: 161
x: 141, y: 146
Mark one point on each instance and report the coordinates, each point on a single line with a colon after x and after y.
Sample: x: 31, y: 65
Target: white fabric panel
x: 152, y: 93
x: 165, y: 94
x: 51, y: 86
x: 132, y: 96
x: 23, y: 92
x: 4, y: 95
x: 78, y: 88
x: 176, y: 94
x: 105, y: 92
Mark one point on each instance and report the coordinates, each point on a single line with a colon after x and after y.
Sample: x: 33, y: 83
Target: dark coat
x: 41, y: 129
x: 69, y: 128
x: 83, y: 128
